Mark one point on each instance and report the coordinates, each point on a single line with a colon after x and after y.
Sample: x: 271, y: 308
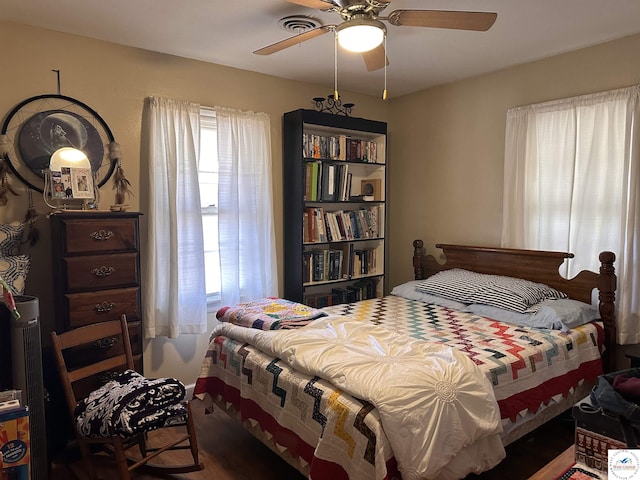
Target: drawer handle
x: 101, y: 235
x: 103, y: 271
x: 104, y: 307
x: 106, y: 342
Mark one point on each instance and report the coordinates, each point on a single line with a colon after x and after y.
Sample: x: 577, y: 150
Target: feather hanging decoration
x: 121, y: 185
x: 5, y: 186
x: 4, y: 145
x: 33, y: 234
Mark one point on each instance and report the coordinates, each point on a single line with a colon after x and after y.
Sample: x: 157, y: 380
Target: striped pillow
x: 496, y: 290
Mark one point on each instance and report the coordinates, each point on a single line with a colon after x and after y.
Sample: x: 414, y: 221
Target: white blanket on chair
x: 434, y: 402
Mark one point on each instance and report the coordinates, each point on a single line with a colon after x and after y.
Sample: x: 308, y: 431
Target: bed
x: 472, y: 384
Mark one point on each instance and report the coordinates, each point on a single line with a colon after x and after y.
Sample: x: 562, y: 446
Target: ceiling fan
x: 362, y: 29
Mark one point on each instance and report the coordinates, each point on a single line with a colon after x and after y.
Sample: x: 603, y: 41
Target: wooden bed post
x: 418, y: 255
x: 607, y: 284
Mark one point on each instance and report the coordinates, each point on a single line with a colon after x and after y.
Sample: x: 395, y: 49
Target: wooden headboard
x: 535, y: 265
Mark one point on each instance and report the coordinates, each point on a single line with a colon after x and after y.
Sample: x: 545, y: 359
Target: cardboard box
x: 596, y: 434
x: 15, y: 444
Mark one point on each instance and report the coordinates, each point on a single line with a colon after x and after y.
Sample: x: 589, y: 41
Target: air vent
x: 298, y: 23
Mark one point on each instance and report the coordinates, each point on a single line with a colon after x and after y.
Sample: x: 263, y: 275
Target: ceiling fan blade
x: 316, y: 4
x: 295, y: 40
x: 375, y: 59
x: 479, y: 21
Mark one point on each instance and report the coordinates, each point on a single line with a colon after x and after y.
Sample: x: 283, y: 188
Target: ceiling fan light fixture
x: 360, y: 34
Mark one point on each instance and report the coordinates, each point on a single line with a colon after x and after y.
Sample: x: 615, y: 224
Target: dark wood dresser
x: 96, y: 265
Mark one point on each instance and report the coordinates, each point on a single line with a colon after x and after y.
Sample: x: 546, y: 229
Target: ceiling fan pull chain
x: 335, y: 65
x: 384, y: 93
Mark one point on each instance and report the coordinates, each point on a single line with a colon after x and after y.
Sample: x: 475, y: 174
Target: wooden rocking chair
x: 117, y: 444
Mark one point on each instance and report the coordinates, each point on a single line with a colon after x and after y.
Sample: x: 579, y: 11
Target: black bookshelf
x: 369, y: 162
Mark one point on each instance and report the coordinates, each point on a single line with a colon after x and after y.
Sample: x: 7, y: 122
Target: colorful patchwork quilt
x: 327, y: 433
x: 526, y: 366
x: 269, y: 313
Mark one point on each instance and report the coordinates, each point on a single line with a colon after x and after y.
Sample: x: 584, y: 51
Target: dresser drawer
x: 102, y: 305
x: 99, y: 235
x: 93, y: 272
x: 105, y: 348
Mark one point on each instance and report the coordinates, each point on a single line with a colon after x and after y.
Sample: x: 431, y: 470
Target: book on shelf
x: 307, y: 182
x: 357, y: 291
x: 323, y: 265
x: 347, y: 260
x: 335, y: 262
x: 320, y: 227
x: 339, y: 147
x: 354, y: 293
x: 364, y: 261
x: 346, y: 191
x: 307, y: 233
x: 307, y: 267
x: 340, y: 225
x: 332, y: 226
x: 320, y: 300
x: 317, y: 259
x: 328, y: 182
x: 340, y: 295
x: 315, y: 175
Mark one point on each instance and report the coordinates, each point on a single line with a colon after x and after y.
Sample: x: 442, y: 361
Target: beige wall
x: 447, y: 145
x: 114, y: 80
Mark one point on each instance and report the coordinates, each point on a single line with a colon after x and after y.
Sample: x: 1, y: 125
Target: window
x: 571, y: 183
x: 180, y: 284
x: 208, y: 181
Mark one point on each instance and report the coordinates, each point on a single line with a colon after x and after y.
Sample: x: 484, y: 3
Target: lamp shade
x: 68, y: 157
x: 360, y: 34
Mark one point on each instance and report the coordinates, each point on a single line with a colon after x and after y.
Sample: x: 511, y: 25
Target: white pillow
x: 571, y: 313
x: 408, y: 290
x: 561, y: 314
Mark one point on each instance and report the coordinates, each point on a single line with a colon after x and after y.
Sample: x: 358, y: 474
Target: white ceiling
x: 227, y: 32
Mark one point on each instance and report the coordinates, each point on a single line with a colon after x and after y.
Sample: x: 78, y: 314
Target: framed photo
x: 81, y: 183
x: 371, y: 189
x: 58, y: 189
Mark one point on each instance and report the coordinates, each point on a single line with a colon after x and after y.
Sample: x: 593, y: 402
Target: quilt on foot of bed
x: 526, y: 366
x: 433, y: 402
x: 335, y: 435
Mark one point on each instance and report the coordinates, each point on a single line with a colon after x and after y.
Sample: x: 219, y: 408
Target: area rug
x: 576, y: 472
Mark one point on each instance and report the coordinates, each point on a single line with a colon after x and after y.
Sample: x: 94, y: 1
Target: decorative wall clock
x: 40, y: 125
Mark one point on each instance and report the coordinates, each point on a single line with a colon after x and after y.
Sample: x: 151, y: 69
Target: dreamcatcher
x: 40, y: 125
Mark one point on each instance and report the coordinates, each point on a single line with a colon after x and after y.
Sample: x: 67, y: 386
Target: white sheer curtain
x: 174, y: 282
x: 571, y: 183
x: 245, y: 211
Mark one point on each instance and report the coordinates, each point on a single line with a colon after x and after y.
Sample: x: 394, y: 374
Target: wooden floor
x: 230, y: 453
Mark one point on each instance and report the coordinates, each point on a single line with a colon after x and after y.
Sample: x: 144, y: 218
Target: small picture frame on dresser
x: 371, y: 189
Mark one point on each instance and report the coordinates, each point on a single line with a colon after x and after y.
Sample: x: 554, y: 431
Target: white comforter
x: 434, y: 403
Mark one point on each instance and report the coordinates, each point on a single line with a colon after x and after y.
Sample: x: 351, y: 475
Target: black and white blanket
x: 129, y: 405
